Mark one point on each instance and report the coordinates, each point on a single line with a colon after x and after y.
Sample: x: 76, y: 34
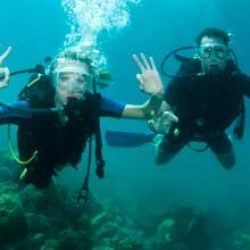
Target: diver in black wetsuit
x: 48, y: 141
x: 207, y: 96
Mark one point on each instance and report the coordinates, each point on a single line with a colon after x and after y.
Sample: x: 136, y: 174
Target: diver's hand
x: 160, y: 121
x: 149, y: 78
x: 4, y: 72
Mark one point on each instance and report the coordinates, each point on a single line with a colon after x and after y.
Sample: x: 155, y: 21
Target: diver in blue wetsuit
x: 57, y: 113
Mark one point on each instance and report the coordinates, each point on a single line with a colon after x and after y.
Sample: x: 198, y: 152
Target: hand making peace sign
x: 4, y: 71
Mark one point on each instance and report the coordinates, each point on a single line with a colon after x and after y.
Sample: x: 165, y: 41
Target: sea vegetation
x: 29, y: 222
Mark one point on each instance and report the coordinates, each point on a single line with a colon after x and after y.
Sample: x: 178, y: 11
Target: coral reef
x: 13, y: 226
x: 29, y: 222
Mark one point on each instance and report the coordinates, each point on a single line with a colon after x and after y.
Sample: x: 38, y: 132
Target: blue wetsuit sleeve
x: 111, y: 108
x: 15, y: 112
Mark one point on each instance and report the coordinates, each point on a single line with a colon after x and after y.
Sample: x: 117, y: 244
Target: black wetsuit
x: 206, y: 106
x: 57, y: 144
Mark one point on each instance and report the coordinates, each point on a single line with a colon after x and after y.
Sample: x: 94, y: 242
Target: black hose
x: 37, y: 69
x: 168, y: 56
x: 84, y: 191
x: 34, y: 110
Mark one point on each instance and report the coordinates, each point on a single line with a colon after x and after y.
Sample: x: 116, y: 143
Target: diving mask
x: 72, y: 79
x: 218, y: 50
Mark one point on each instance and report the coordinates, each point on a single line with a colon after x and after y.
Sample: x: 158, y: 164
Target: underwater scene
x: 125, y: 125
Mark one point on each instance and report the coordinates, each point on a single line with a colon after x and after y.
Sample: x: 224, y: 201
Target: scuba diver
x: 206, y: 95
x: 58, y: 112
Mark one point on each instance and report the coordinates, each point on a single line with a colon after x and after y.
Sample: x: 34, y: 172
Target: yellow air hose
x: 11, y: 149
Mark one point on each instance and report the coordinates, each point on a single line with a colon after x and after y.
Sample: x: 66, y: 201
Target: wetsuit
x: 206, y: 107
x: 57, y: 144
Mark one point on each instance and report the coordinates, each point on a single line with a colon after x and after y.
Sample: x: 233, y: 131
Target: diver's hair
x: 71, y: 54
x: 213, y: 32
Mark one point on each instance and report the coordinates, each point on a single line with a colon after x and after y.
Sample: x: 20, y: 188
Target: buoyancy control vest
x: 57, y: 144
x: 222, y: 95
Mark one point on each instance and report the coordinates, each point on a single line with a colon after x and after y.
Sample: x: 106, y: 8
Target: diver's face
x: 71, y: 79
x: 214, y: 55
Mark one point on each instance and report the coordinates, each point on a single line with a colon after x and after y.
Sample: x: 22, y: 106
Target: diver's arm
x: 143, y: 111
x: 150, y: 83
x: 111, y: 108
x: 156, y: 111
x: 117, y: 109
x: 135, y: 111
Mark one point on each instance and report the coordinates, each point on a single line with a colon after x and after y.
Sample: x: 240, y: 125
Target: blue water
x: 37, y: 29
